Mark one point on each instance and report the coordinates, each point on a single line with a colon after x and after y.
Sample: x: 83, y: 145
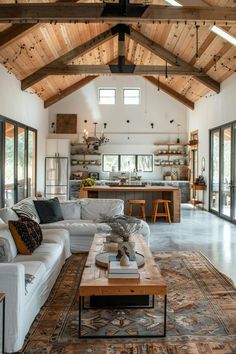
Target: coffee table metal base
x: 82, y: 308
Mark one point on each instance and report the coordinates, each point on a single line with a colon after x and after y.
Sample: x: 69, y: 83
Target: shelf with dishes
x: 75, y: 162
x: 174, y: 163
x: 170, y: 149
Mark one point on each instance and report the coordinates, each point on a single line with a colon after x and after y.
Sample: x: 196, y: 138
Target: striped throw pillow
x: 26, y: 209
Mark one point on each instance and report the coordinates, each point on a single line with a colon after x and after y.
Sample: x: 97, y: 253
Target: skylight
x: 173, y: 3
x: 224, y: 34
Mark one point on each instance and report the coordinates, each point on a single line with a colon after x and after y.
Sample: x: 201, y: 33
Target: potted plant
x: 88, y: 182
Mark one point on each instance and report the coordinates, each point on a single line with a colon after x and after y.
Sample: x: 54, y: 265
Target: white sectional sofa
x: 75, y: 233
x: 81, y: 219
x: 23, y: 302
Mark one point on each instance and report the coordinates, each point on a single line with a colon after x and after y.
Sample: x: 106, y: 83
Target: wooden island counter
x: 149, y: 193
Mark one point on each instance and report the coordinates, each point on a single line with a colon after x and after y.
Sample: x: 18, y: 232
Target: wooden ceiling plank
x: 78, y: 85
x: 170, y: 57
x: 16, y: 31
x: 94, y: 12
x: 180, y: 98
x: 78, y: 51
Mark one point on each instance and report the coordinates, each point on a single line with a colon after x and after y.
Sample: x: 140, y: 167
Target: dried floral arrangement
x: 122, y: 225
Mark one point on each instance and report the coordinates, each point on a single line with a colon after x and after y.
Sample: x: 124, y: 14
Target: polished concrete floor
x: 200, y: 231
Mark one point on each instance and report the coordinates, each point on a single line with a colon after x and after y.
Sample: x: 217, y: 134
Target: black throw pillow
x: 49, y: 210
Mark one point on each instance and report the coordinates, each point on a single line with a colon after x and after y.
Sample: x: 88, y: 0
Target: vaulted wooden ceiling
x: 55, y: 52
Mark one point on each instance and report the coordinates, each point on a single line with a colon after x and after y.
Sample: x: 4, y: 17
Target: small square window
x: 131, y: 96
x: 106, y: 96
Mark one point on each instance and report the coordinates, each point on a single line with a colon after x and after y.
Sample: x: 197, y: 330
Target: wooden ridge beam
x: 59, y: 96
x: 106, y: 70
x: 177, y: 96
x: 76, y: 52
x: 110, y: 13
x: 165, y: 54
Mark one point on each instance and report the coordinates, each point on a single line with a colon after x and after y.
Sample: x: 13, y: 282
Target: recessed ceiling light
x: 174, y: 3
x: 228, y: 37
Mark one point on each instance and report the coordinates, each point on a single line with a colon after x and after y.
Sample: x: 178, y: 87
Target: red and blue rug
x: 201, y: 314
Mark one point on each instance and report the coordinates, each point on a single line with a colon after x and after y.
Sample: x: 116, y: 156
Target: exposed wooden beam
x: 124, y: 69
x: 177, y: 96
x: 163, y: 53
x: 76, y: 52
x: 110, y: 13
x: 78, y: 85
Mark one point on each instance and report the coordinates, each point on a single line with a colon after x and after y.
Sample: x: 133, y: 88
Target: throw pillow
x: 27, y: 235
x: 26, y: 209
x: 5, y: 251
x: 48, y: 210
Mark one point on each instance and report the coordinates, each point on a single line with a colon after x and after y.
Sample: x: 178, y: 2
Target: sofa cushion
x: 25, y: 208
x: 5, y: 233
x: 47, y: 253
x: 80, y: 227
x: 5, y: 250
x: 27, y: 235
x: 49, y: 210
x: 7, y: 214
x: 60, y: 236
x: 91, y: 208
x: 71, y: 209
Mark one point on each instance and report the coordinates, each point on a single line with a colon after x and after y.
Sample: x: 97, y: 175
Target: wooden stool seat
x: 141, y: 203
x: 166, y: 211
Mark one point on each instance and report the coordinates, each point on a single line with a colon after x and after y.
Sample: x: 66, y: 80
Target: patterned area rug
x: 201, y: 314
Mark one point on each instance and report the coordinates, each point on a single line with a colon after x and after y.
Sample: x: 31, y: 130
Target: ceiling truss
x: 122, y: 12
x: 27, y: 17
x: 177, y: 67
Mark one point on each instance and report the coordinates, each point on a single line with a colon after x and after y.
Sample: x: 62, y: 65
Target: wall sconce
x: 104, y: 125
x: 177, y: 125
x: 152, y: 125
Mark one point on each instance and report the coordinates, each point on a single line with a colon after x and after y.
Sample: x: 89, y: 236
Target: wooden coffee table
x: 94, y: 281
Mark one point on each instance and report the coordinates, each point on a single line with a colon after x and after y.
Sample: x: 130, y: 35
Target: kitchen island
x: 149, y: 193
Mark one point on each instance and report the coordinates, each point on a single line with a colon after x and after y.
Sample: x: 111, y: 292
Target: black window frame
x: 119, y: 161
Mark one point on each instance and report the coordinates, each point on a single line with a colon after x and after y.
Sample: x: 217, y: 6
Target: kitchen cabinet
x: 58, y: 148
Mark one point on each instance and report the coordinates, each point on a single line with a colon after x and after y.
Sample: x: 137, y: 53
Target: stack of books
x: 116, y: 271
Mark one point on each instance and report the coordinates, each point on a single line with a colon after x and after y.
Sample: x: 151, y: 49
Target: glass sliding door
x: 21, y: 164
x: 31, y: 163
x: 215, y: 170
x: 223, y: 171
x: 233, y: 185
x: 9, y: 162
x: 17, y: 162
x: 225, y: 184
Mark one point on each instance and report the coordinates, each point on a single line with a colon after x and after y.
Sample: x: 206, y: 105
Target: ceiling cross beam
x: 112, y: 13
x: 172, y: 59
x: 140, y: 70
x: 76, y: 52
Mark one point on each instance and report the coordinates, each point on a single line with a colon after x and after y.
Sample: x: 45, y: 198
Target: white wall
x: 137, y: 136
x: 25, y: 108
x: 209, y: 113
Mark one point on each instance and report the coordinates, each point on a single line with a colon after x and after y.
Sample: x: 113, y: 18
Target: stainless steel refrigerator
x: 56, y: 177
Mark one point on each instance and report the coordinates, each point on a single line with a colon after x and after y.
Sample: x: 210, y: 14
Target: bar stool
x: 141, y: 203
x: 166, y: 211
